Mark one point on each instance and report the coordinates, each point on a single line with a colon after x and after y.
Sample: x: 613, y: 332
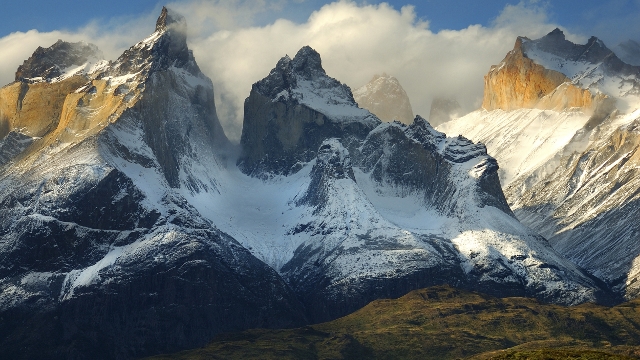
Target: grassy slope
x: 446, y: 323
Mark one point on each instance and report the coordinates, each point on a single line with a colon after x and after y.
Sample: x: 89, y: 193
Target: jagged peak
x: 556, y: 34
x: 61, y: 59
x: 306, y: 65
x: 333, y: 162
x: 166, y: 47
x: 170, y: 19
x: 556, y: 43
x: 307, y: 62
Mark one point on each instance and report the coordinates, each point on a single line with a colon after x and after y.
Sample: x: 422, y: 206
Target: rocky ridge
x: 408, y: 216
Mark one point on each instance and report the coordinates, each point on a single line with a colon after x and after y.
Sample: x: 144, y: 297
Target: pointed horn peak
x: 169, y: 18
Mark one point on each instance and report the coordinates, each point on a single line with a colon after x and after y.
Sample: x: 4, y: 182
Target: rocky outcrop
x: 385, y: 97
x: 518, y: 82
x: 34, y: 109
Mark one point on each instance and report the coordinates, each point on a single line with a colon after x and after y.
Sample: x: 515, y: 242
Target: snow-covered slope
x: 588, y: 205
x: 61, y: 61
x: 522, y: 140
x: 126, y: 221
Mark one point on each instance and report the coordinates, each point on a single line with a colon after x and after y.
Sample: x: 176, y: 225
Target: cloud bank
x: 355, y: 41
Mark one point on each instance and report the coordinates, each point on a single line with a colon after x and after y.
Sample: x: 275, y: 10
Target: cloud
x: 112, y: 38
x: 235, y: 47
x: 358, y: 41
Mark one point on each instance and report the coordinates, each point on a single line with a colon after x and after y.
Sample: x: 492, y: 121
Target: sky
x: 435, y: 48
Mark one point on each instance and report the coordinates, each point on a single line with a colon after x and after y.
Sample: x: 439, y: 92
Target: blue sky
x: 586, y: 16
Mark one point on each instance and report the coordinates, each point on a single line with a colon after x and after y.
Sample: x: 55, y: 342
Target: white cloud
x: 355, y: 41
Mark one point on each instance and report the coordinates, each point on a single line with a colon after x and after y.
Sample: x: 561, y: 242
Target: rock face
x: 127, y: 229
x: 373, y: 216
x: 102, y: 254
x: 518, y: 82
x: 385, y: 97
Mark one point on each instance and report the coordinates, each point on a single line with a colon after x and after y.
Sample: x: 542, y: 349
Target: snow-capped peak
x: 165, y: 48
x: 60, y: 61
x: 303, y: 80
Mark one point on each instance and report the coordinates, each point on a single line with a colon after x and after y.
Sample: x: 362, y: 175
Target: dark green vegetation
x: 446, y: 323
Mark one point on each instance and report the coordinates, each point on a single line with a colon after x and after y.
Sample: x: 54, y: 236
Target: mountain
x: 129, y: 226
x: 60, y: 61
x: 566, y: 148
x: 371, y: 209
x: 102, y: 256
x: 629, y: 52
x: 385, y: 97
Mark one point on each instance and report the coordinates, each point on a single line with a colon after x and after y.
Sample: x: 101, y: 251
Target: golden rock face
x: 518, y: 82
x: 67, y: 111
x: 34, y: 109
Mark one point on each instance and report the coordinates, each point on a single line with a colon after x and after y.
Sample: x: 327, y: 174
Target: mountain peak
x: 61, y: 59
x: 166, y: 47
x: 385, y: 97
x: 307, y: 62
x: 556, y: 34
x: 169, y: 18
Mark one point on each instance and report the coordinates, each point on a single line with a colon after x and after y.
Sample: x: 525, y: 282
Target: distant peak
x: 557, y: 34
x: 594, y: 40
x: 169, y: 18
x: 50, y: 63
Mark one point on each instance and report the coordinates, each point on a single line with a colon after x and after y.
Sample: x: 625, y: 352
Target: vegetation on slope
x: 446, y: 323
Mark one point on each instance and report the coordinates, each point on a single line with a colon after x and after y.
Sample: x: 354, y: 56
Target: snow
x: 192, y: 80
x: 90, y: 66
x: 333, y: 102
x: 364, y: 229
x: 521, y: 140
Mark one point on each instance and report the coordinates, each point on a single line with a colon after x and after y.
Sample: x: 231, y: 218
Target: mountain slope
x: 98, y: 243
x: 126, y: 194
x: 568, y: 166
